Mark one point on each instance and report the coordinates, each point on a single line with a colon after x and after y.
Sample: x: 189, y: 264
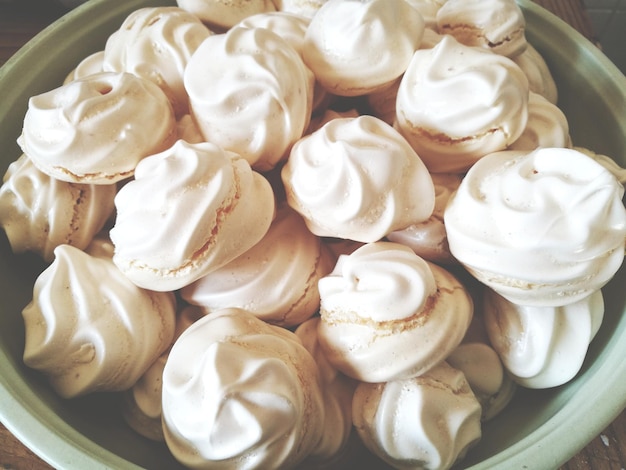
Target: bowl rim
x: 57, y: 443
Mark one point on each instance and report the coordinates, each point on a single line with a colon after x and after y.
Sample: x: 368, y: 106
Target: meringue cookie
x: 156, y: 43
x: 305, y: 8
x: 291, y: 27
x: 276, y: 279
x: 225, y: 14
x: 426, y: 422
x: 540, y: 79
x: 190, y: 210
x: 357, y: 178
x: 457, y: 103
x: 547, y: 126
x: 260, y: 96
x: 141, y: 406
x: 483, y: 369
x: 542, y: 228
x: 607, y: 162
x: 89, y: 65
x: 337, y: 392
x: 387, y: 314
x: 542, y: 347
x: 39, y: 213
x: 240, y: 393
x: 496, y: 25
x: 89, y: 329
x: 428, y: 239
x: 355, y: 47
x: 96, y: 129
x: 428, y: 9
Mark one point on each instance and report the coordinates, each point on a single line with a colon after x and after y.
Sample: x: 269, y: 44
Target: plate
x: 535, y: 431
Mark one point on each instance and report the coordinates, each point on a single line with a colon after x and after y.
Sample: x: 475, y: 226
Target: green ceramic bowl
x: 535, y: 431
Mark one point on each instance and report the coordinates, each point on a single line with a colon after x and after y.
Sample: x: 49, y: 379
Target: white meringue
x: 240, y: 393
x: 96, y: 129
x: 426, y: 422
x: 429, y: 239
x: 89, y: 329
x: 547, y: 126
x: 496, y: 25
x: 387, y: 314
x: 305, y: 8
x: 457, y: 103
x: 276, y: 279
x: 39, y: 213
x: 542, y: 228
x: 156, y: 43
x: 225, y: 14
x: 190, y: 210
x: 356, y: 47
x: 260, y: 96
x: 357, y: 178
x: 542, y: 347
x: 540, y: 79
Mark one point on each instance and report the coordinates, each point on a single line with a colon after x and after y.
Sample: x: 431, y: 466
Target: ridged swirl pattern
x: 89, y: 329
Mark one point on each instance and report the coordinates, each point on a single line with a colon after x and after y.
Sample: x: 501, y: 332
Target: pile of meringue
x: 277, y: 225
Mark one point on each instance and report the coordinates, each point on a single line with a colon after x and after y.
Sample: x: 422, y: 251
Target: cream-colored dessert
x: 240, y: 393
x: 223, y: 14
x: 337, y: 392
x: 190, y: 210
x: 428, y: 239
x: 496, y: 25
x: 356, y: 47
x: 540, y: 79
x: 89, y: 329
x: 357, y: 178
x: 485, y: 373
x: 39, y: 213
x: 95, y: 130
x: 87, y: 66
x: 541, y: 228
x: 141, y: 406
x: 542, y: 347
x: 607, y: 162
x: 276, y: 279
x: 305, y: 8
x: 426, y: 422
x: 547, y: 126
x: 156, y: 43
x: 260, y: 98
x: 457, y: 103
x: 428, y: 9
x: 289, y: 26
x: 188, y: 131
x: 382, y: 102
x: 387, y: 314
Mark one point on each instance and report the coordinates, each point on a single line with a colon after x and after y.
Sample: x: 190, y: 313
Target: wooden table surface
x: 20, y: 20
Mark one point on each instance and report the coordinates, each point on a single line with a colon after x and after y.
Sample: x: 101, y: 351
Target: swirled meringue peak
x: 388, y: 314
x: 540, y: 79
x: 250, y: 93
x: 89, y: 329
x: 190, y: 210
x: 457, y: 103
x: 225, y: 14
x: 542, y: 228
x: 239, y: 393
x: 542, y: 347
x: 96, y: 129
x: 39, y: 213
x: 357, y: 178
x: 87, y: 66
x: 547, y: 126
x: 426, y: 422
x: 355, y: 47
x: 428, y: 239
x: 291, y: 27
x: 276, y: 279
x: 496, y: 25
x: 337, y: 392
x: 156, y: 43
